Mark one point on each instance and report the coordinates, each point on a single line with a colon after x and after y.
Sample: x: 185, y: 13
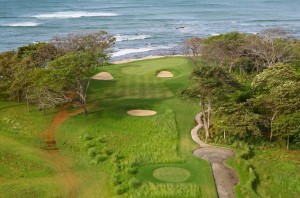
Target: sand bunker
x: 139, y: 112
x: 103, y: 76
x: 165, y: 74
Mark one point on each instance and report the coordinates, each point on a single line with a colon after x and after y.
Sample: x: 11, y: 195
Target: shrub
x: 134, y: 183
x: 89, y: 144
x: 102, y: 139
x: 133, y: 170
x: 117, y: 180
x: 101, y: 158
x: 87, y: 137
x: 121, y: 189
x: 108, y: 151
x: 92, y: 152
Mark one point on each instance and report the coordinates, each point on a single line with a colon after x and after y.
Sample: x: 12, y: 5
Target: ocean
x: 142, y: 27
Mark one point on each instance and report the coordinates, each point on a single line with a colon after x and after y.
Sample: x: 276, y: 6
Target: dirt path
x: 225, y: 177
x: 64, y: 174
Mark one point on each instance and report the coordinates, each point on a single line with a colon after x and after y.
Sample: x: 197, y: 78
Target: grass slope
x: 23, y: 169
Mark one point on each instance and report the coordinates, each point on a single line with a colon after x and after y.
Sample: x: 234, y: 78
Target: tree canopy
x: 43, y: 73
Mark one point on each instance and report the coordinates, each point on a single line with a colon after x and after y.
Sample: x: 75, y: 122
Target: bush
x: 133, y: 170
x: 92, y: 152
x: 89, y: 144
x: 101, y: 158
x: 117, y: 180
x: 121, y: 189
x: 108, y: 151
x: 118, y: 156
x: 134, y: 183
x: 87, y: 137
x: 102, y: 139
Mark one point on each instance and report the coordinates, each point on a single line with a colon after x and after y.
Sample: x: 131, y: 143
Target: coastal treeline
x: 248, y: 85
x: 56, y: 72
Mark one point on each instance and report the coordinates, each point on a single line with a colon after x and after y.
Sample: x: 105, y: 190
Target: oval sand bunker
x: 165, y: 74
x: 171, y: 174
x: 140, y: 112
x: 103, y: 76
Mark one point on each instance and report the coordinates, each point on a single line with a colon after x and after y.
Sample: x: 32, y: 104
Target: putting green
x: 171, y: 174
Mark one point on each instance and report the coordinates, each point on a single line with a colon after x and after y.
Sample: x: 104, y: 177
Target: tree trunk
x: 272, y: 120
x: 204, y: 119
x: 288, y: 142
x: 85, y: 111
x: 224, y: 135
x: 82, y: 97
x: 208, y: 113
x: 27, y: 103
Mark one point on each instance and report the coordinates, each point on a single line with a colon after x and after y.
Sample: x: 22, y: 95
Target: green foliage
x: 134, y: 183
x: 237, y: 120
x: 247, y: 176
x: 212, y: 82
x: 274, y: 76
x: 169, y: 191
x: 101, y: 158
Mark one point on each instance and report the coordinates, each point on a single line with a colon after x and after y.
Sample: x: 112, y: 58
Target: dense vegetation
x: 249, y: 85
x: 54, y: 73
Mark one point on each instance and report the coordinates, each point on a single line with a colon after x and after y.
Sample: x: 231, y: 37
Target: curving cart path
x: 225, y: 177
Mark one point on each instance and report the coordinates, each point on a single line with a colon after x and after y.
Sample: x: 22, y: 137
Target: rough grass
x: 269, y: 172
x: 23, y: 171
x: 278, y: 172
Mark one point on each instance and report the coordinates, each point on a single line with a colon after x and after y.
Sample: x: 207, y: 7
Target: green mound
x: 171, y: 174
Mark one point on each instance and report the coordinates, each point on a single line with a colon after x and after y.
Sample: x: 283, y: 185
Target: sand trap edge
x: 165, y: 74
x: 141, y: 112
x: 103, y: 76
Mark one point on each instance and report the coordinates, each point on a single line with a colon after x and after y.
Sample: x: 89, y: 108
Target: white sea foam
x: 74, y: 15
x: 21, y: 24
x: 131, y: 37
x: 138, y: 50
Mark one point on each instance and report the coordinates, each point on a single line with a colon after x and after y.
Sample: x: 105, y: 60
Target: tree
x: 83, y: 52
x: 279, y: 92
x: 288, y: 126
x: 7, y: 62
x: 47, y: 88
x: 237, y: 120
x: 17, y: 66
x: 209, y: 84
x: 97, y: 43
x: 225, y: 49
x: 270, y: 47
x: 76, y: 69
x: 194, y: 47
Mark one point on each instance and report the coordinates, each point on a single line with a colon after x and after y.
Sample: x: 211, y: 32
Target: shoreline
x: 144, y: 58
